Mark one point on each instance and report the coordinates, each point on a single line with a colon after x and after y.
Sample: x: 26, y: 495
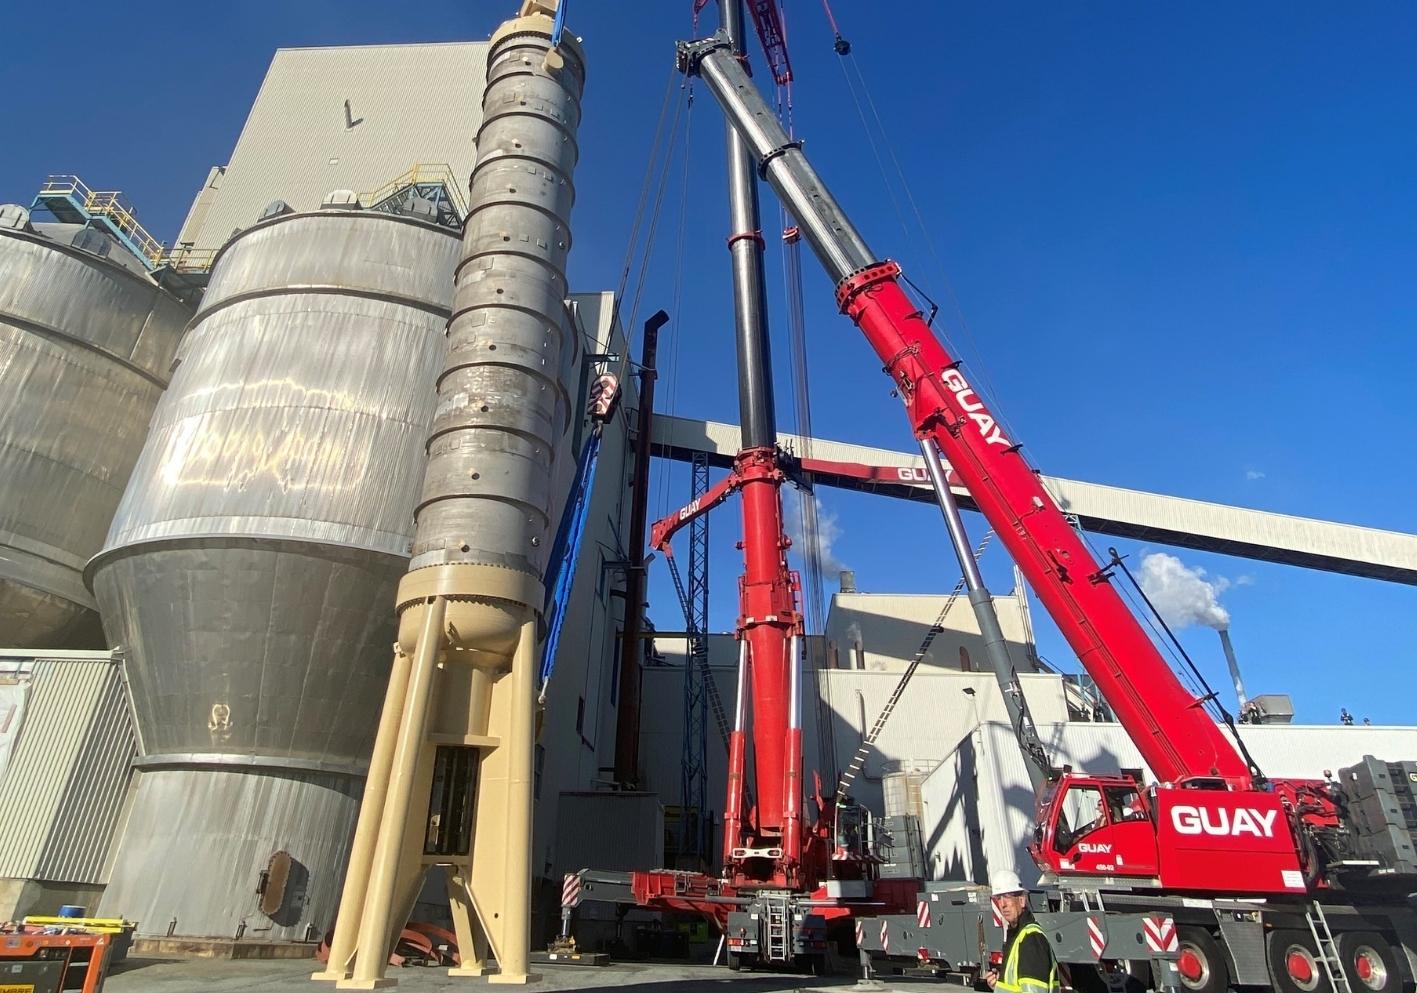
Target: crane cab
x: 1196, y: 836
x: 1095, y: 826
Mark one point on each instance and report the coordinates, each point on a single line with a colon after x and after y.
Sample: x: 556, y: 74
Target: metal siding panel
x: 87, y: 819
x: 619, y: 831
x: 62, y: 702
x: 414, y: 103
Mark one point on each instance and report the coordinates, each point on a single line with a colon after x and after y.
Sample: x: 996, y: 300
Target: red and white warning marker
x: 1095, y: 937
x: 922, y: 913
x: 885, y: 936
x: 571, y: 890
x: 1160, y: 933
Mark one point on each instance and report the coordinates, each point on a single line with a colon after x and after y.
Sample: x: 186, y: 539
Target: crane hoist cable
x: 863, y: 100
x: 871, y: 735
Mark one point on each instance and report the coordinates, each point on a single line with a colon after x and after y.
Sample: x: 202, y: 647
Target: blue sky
x: 1183, y: 239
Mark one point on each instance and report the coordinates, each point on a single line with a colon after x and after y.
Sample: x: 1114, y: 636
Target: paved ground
x: 205, y: 976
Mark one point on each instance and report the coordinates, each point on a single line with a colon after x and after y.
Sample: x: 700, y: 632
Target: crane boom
x: 1173, y: 732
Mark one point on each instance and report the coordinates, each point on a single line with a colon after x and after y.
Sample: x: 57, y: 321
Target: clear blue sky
x: 1184, y: 239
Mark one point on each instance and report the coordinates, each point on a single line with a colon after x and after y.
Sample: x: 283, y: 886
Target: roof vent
x: 13, y: 217
x: 341, y: 200
x: 421, y: 208
x: 276, y: 208
x: 91, y: 241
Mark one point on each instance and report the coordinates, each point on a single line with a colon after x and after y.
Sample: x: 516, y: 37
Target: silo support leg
x: 472, y: 937
x: 406, y: 771
x: 501, y: 857
x: 371, y: 811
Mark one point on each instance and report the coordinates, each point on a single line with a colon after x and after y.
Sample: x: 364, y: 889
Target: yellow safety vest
x: 1012, y: 982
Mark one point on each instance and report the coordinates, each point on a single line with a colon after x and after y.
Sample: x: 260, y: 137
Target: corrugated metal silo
x: 251, y: 566
x: 86, y: 342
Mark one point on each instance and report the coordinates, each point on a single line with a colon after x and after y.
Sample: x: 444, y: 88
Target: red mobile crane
x: 1212, y: 827
x: 1196, y: 848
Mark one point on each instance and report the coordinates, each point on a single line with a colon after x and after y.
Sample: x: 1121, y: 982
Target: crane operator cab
x: 1094, y: 825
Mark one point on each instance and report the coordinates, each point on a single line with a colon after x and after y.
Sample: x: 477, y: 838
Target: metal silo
x: 86, y: 341
x: 250, y: 566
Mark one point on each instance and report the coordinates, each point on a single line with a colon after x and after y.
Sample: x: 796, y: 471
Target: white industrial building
x: 355, y: 118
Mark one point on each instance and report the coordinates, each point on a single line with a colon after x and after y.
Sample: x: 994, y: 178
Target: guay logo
x: 1222, y: 822
x: 974, y: 408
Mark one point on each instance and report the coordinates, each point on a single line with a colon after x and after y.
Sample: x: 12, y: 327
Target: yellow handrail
x: 422, y: 172
x: 110, y: 204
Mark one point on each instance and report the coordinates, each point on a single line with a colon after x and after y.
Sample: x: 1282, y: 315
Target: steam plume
x: 1181, y: 594
x: 828, y: 532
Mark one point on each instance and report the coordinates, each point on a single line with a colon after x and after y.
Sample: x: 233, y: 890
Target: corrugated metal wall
x: 407, y: 104
x: 62, y: 796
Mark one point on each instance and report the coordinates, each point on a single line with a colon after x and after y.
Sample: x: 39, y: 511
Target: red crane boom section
x: 1171, y: 729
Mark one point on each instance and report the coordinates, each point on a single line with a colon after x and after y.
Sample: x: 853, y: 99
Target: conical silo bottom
x: 199, y: 840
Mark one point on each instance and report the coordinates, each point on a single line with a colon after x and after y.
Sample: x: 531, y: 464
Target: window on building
x: 540, y: 768
x: 580, y: 716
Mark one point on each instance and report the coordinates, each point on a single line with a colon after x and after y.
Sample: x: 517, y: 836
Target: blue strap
x: 566, y: 551
x: 559, y: 24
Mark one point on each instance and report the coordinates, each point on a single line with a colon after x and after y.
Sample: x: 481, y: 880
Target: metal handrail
x: 421, y: 172
x: 111, y: 205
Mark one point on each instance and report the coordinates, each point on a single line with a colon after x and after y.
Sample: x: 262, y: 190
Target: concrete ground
x: 293, y: 976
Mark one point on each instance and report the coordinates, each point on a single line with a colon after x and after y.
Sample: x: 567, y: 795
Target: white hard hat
x: 1005, y: 881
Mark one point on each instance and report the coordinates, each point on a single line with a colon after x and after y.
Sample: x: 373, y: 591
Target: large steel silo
x: 86, y: 342
x: 250, y: 566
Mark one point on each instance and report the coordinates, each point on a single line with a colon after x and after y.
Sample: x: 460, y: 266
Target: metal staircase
x: 72, y: 201
x: 858, y: 760
x: 433, y: 182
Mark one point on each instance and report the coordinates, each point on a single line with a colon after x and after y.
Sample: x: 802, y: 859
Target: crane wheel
x: 1202, y: 965
x: 1369, y: 961
x: 1294, y: 963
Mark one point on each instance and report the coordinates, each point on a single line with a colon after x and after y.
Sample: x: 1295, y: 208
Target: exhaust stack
x: 456, y: 736
x: 1234, y: 668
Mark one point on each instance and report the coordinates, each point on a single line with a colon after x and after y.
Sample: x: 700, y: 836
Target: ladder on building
x: 777, y: 926
x: 1327, y: 949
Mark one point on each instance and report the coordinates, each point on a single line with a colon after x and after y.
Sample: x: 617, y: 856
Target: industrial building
x: 211, y: 508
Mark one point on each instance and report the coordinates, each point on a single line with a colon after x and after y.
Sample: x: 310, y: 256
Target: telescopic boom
x: 1176, y: 737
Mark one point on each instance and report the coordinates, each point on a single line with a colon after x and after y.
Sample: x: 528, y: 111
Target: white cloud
x: 1253, y: 474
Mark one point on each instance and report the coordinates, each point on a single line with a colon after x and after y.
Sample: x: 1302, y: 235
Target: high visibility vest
x: 1012, y: 982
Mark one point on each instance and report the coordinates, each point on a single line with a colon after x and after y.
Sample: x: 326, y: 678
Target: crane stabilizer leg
x: 1175, y: 736
x: 995, y: 647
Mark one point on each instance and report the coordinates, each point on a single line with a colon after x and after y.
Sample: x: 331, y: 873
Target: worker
x: 1028, y: 963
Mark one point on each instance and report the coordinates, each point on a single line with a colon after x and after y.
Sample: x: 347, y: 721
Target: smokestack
x: 1234, y: 667
x: 848, y: 581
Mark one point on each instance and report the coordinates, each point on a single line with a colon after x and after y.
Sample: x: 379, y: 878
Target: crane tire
x: 1369, y: 961
x: 1294, y: 963
x: 1202, y: 966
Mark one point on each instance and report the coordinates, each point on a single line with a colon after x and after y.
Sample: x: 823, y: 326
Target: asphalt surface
x: 293, y: 976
